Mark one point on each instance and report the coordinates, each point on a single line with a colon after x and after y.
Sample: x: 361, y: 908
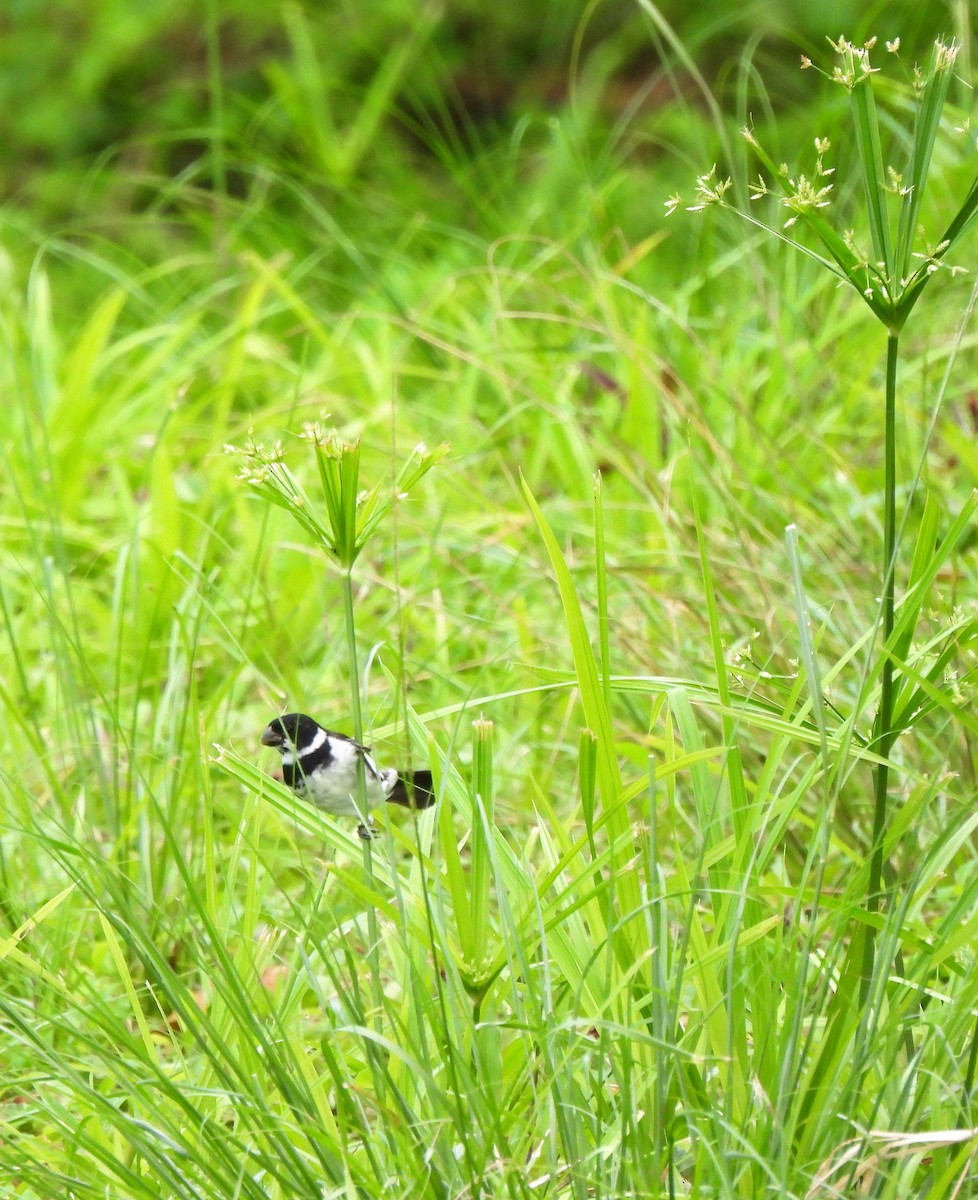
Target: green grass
x: 617, y: 959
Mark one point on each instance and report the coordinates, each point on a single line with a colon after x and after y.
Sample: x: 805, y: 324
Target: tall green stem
x: 351, y: 653
x: 884, y: 734
x: 373, y: 932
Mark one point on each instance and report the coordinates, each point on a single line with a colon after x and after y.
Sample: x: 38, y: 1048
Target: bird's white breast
x: 336, y: 788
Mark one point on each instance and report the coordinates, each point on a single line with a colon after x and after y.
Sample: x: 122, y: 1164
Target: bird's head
x: 294, y: 731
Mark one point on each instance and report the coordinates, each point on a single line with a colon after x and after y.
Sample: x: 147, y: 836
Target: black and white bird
x: 322, y: 766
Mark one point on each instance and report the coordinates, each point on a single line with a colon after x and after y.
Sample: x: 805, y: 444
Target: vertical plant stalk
x: 481, y: 863
x: 601, y: 583
x: 349, y: 621
x: 373, y: 931
x: 890, y: 277
x: 885, y: 735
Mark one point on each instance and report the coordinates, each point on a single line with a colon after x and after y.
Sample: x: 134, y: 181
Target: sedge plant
x: 346, y: 520
x: 342, y: 525
x: 348, y: 517
x: 890, y: 275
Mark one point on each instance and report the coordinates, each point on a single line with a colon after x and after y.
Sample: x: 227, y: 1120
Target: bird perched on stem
x: 323, y: 767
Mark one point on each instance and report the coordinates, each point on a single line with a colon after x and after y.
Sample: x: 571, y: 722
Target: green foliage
x: 885, y: 275
x: 618, y: 956
x: 891, y: 286
x: 350, y: 517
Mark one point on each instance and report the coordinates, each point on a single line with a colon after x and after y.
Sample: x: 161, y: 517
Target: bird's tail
x: 414, y: 789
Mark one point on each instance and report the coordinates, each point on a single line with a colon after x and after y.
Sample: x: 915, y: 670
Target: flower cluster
x: 256, y: 450
x: 347, y: 515
x: 891, y: 276
x: 709, y: 191
x: 259, y: 465
x: 801, y: 194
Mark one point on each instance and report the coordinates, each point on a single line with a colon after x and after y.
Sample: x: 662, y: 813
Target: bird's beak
x: 272, y: 737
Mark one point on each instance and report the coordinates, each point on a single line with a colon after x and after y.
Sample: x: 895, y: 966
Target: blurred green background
x: 149, y: 89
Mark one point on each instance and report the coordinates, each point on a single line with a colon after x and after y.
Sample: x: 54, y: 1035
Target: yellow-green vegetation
x: 328, y: 391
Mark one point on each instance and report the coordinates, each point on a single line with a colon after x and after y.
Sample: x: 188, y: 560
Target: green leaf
x: 482, y: 834
x: 926, y: 129
x: 870, y: 157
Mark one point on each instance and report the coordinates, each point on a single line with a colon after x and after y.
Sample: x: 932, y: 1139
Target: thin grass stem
x: 356, y: 709
x: 885, y: 733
